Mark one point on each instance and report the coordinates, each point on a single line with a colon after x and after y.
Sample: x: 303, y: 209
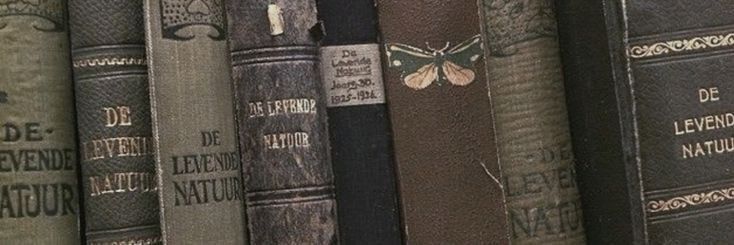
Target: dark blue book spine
x: 361, y: 139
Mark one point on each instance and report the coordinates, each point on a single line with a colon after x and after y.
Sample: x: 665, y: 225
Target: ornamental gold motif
x: 691, y: 200
x: 676, y: 46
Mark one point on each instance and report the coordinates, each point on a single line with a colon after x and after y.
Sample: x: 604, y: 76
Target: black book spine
x: 359, y: 128
x: 595, y: 113
x: 111, y: 83
x: 281, y: 113
x: 652, y: 119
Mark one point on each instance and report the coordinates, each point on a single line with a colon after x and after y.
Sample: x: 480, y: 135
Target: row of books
x: 366, y: 122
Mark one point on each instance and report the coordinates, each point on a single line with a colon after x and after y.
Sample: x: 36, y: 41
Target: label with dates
x: 352, y: 75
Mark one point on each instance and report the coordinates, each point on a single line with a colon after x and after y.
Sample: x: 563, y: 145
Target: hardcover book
x: 38, y: 160
x: 650, y: 103
x: 191, y: 95
x: 449, y: 177
x: 359, y: 128
x: 281, y: 112
x: 531, y: 122
x: 120, y: 190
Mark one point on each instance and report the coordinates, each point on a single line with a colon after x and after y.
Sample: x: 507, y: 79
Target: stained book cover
x: 651, y: 116
x: 116, y: 148
x: 531, y: 122
x: 449, y: 177
x: 359, y: 127
x: 281, y: 112
x: 38, y: 161
x: 198, y: 168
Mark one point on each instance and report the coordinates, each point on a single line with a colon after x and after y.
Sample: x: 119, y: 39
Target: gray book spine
x: 38, y: 159
x: 531, y: 122
x: 193, y: 122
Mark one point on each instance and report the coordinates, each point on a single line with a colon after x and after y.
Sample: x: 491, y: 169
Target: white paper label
x: 352, y: 75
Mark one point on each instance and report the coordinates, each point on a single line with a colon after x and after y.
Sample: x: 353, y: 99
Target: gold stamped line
x: 681, y: 45
x: 113, y: 61
x: 142, y: 240
x: 691, y: 200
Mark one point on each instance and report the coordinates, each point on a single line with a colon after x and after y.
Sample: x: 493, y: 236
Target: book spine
x: 116, y: 148
x: 448, y: 173
x: 38, y: 159
x: 599, y: 120
x: 281, y: 114
x: 359, y: 128
x: 531, y: 122
x: 673, y: 89
x: 675, y: 111
x: 198, y: 168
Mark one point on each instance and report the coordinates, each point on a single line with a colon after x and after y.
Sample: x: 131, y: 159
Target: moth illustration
x: 421, y: 67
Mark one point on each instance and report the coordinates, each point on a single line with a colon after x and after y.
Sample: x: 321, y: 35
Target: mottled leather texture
x: 651, y: 118
x: 445, y: 154
x: 361, y: 138
x: 533, y: 138
x: 38, y: 161
x: 281, y: 112
x: 199, y: 175
x: 111, y: 81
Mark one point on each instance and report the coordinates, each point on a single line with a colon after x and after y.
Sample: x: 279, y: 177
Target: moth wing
x: 407, y: 59
x: 457, y: 75
x: 422, y: 77
x: 466, y: 53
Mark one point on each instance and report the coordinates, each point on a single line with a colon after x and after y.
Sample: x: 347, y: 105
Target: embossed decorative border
x: 691, y: 200
x: 682, y: 45
x: 112, y: 61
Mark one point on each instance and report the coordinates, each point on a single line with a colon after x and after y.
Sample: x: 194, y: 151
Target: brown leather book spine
x: 531, y: 122
x: 436, y: 90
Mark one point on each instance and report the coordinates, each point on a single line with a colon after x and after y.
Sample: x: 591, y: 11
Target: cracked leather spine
x: 641, y: 164
x: 531, y: 121
x: 359, y: 127
x: 281, y: 112
x: 200, y: 183
x: 447, y: 167
x: 115, y: 144
x: 38, y: 159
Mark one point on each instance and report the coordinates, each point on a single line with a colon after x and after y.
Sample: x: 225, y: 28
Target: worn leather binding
x: 531, y: 122
x: 199, y: 177
x: 359, y: 129
x: 38, y: 161
x: 116, y: 147
x: 648, y: 95
x: 446, y: 159
x: 281, y: 115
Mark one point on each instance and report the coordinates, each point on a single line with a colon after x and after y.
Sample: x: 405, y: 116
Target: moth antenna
x: 445, y: 47
x: 429, y: 47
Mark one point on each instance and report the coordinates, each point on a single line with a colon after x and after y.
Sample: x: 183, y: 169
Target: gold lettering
x: 293, y: 140
x: 116, y: 147
x: 707, y: 148
x: 282, y: 107
x: 704, y: 123
x: 121, y: 183
x: 117, y: 116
